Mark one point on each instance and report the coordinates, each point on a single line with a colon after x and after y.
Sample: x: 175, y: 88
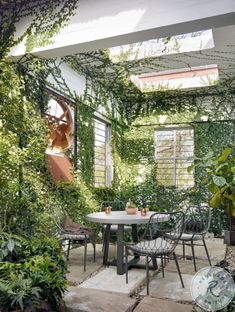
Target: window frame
x: 108, y: 152
x: 174, y: 158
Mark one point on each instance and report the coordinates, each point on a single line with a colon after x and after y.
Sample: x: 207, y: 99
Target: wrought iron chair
x: 197, y: 224
x: 71, y: 232
x: 159, y: 241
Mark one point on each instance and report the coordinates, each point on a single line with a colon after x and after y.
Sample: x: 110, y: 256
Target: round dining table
x: 120, y: 218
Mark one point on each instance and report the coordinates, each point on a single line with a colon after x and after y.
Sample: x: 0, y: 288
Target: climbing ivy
x: 133, y: 115
x: 112, y: 81
x: 45, y: 18
x: 85, y: 133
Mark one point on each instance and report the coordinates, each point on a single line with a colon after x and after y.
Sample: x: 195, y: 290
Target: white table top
x: 119, y: 217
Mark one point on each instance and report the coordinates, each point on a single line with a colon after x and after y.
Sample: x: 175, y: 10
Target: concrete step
x: 89, y: 300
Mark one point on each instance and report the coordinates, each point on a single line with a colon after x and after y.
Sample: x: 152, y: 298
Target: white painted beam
x: 107, y: 23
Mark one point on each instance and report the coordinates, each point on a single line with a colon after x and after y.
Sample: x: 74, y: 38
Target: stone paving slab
x: 170, y: 287
x: 216, y: 249
x: 108, y: 280
x: 97, y: 283
x: 89, y: 300
x: 76, y: 274
x: 158, y: 305
x: 186, y: 266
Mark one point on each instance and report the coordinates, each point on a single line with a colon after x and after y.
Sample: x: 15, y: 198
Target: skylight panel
x: 188, y: 42
x: 185, y: 78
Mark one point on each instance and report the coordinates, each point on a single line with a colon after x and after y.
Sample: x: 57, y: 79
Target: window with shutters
x: 102, y: 154
x: 173, y: 146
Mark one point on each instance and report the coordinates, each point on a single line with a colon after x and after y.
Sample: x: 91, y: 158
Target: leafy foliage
x: 27, y: 189
x: 23, y: 136
x: 85, y: 133
x: 46, y: 19
x: 135, y: 168
x: 9, y: 244
x: 220, y: 178
x: 31, y: 273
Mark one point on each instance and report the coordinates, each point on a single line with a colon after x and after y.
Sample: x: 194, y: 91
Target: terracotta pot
x: 131, y: 210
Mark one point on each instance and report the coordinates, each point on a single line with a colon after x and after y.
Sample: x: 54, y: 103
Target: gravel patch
x: 230, y: 256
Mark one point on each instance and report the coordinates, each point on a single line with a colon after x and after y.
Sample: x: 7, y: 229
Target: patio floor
x: 101, y: 289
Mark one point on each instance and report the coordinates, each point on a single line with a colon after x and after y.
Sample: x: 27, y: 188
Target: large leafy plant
x: 220, y: 179
x: 32, y: 273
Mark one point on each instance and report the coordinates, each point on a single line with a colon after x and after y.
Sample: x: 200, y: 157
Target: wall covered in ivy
x: 136, y: 166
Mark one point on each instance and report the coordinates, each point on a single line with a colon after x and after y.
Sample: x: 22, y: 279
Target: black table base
x: 119, y: 262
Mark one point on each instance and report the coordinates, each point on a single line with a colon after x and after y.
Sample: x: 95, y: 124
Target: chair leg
x: 147, y: 274
x: 208, y: 257
x: 162, y: 265
x: 164, y: 260
x: 154, y: 261
x: 178, y: 269
x: 183, y: 243
x: 68, y: 249
x: 102, y: 239
x: 94, y: 250
x: 194, y: 259
x: 126, y: 264
x: 85, y: 254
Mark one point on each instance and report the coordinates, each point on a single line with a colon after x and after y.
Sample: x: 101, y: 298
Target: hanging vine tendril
x: 44, y: 19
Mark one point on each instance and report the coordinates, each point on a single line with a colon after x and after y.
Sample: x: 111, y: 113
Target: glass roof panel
x: 184, y: 78
x: 188, y: 42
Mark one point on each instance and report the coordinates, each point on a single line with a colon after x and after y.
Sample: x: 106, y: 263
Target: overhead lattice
x: 113, y: 79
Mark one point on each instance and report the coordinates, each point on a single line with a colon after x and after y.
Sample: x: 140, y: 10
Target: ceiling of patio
x: 222, y: 55
x: 106, y: 24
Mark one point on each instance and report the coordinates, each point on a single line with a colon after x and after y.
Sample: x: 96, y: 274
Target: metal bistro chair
x: 159, y: 241
x: 73, y: 233
x: 197, y: 224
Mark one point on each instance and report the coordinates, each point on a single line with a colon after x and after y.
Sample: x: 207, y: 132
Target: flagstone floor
x: 101, y: 289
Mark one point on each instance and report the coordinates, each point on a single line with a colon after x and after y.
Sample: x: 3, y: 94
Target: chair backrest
x: 117, y: 205
x: 197, y: 219
x: 57, y: 216
x: 163, y: 232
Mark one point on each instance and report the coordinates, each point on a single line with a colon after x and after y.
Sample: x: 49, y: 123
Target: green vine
x: 85, y: 133
x: 26, y: 186
x: 46, y: 19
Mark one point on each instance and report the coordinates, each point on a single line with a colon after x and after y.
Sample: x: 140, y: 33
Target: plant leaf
x: 225, y: 154
x: 10, y: 244
x: 213, y: 188
x: 215, y: 200
x: 229, y: 196
x: 209, y: 155
x: 219, y: 181
x: 190, y: 168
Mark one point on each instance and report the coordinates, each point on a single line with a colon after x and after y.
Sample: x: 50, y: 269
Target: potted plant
x: 220, y: 180
x: 131, y: 207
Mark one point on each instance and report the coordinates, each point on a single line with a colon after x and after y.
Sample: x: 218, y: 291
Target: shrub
x: 32, y: 273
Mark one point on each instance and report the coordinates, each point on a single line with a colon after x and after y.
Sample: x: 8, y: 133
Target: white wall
x: 105, y: 23
x: 74, y: 81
